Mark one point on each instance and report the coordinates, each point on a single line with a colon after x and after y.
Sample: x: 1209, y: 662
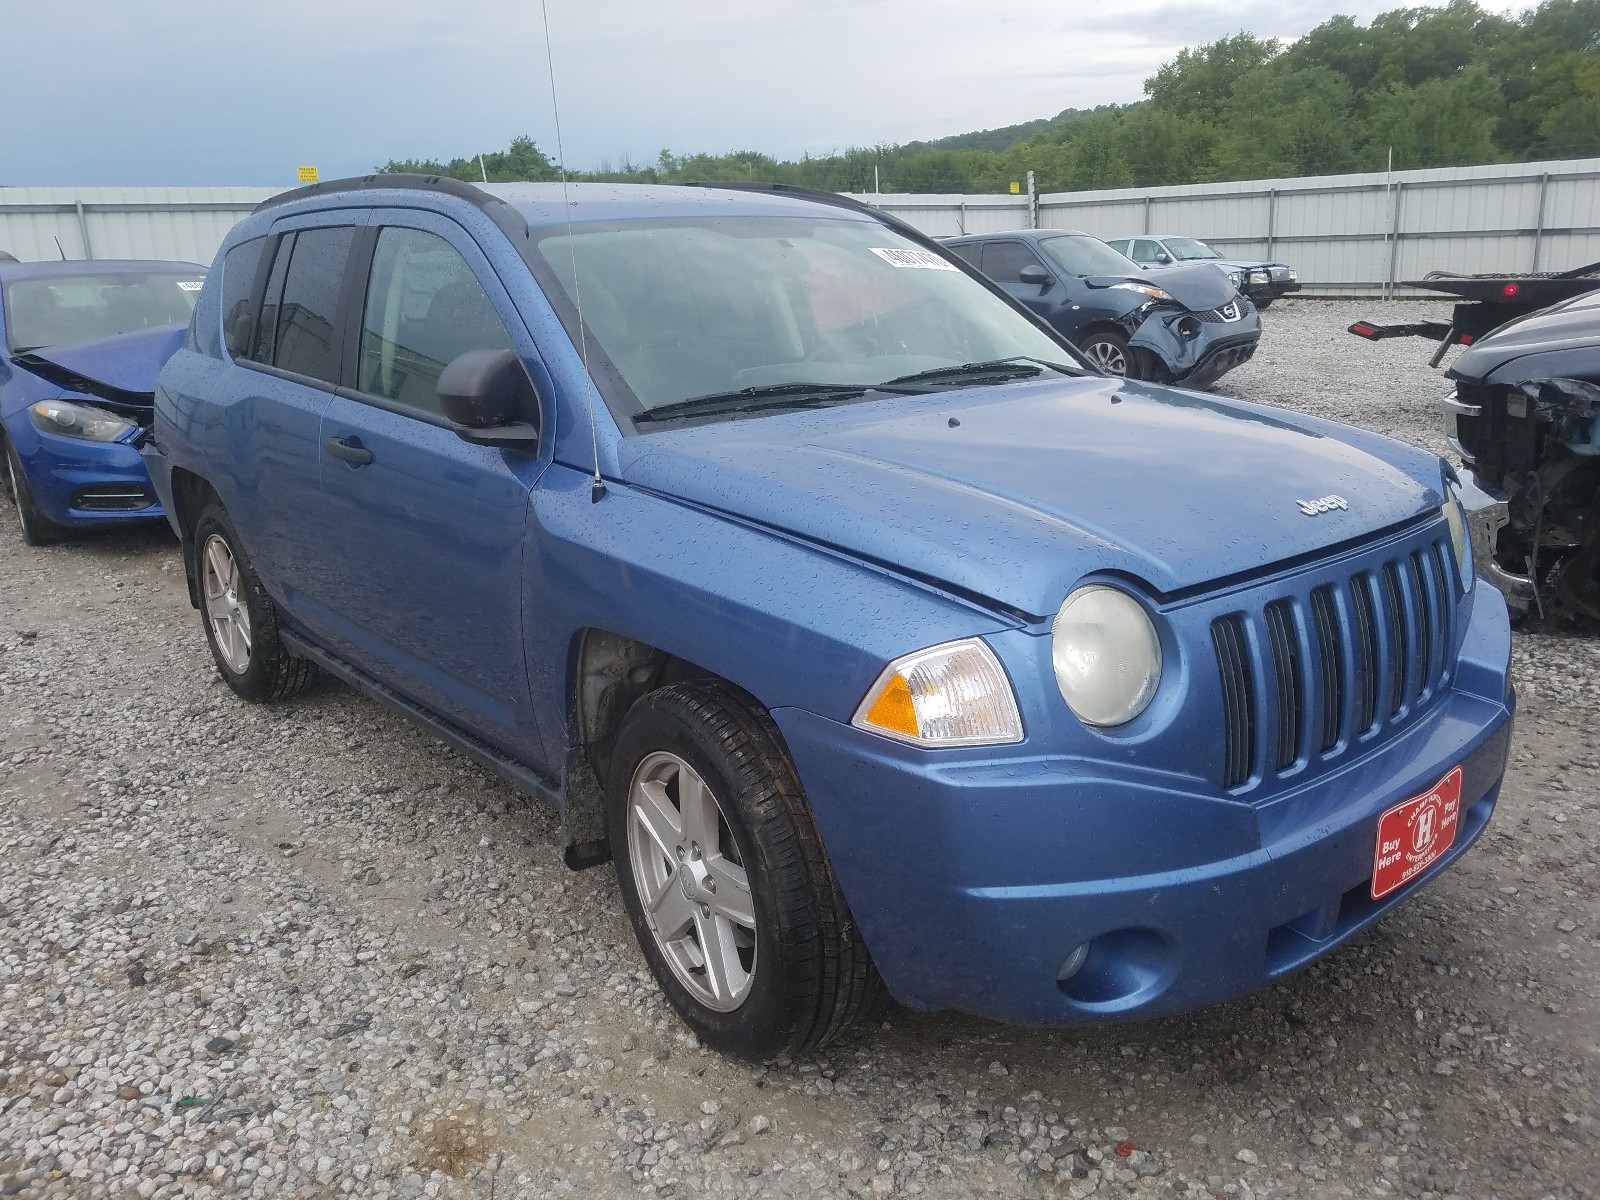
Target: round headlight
x: 1106, y: 654
x: 1455, y: 519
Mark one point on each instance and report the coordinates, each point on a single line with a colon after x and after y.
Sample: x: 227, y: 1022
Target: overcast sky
x: 243, y: 91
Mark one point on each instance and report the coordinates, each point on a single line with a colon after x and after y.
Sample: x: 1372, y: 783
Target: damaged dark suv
x: 1188, y: 327
x: 1525, y: 417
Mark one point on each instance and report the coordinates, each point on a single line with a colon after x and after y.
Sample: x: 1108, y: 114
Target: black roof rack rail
x: 510, y: 221
x: 837, y: 199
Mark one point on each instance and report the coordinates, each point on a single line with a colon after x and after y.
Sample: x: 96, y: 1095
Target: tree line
x: 1433, y: 87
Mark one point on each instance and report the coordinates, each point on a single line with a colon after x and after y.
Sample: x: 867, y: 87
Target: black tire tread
x: 834, y: 983
x: 282, y: 674
x: 36, y: 528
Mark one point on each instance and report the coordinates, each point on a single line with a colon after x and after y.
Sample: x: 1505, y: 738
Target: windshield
x: 59, y: 309
x: 1186, y: 249
x: 1081, y: 255
x: 696, y: 307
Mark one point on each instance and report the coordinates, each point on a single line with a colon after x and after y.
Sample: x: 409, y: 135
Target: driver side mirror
x: 1033, y: 273
x: 489, y: 399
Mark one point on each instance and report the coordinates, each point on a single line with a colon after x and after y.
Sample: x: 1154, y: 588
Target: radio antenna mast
x: 598, y: 488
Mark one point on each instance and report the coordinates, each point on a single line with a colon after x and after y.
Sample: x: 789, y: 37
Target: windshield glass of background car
x: 1188, y: 248
x: 1083, y: 256
x: 60, y: 309
x: 699, y: 307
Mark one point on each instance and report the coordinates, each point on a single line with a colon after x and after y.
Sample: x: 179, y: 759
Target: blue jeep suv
x: 823, y: 588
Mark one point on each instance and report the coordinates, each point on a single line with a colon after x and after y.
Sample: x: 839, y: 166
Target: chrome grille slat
x: 1288, y: 676
x: 1331, y: 665
x: 1238, y: 699
x: 1397, y: 660
x: 1366, y: 635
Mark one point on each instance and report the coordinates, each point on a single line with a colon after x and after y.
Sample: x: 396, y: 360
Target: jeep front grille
x: 1308, y: 675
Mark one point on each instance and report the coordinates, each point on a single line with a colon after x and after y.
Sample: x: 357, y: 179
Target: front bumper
x: 1198, y: 361
x: 80, y: 483
x: 973, y: 880
x: 1488, y: 512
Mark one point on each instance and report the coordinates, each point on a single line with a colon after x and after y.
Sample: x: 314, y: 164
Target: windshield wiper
x: 768, y: 396
x: 1020, y: 366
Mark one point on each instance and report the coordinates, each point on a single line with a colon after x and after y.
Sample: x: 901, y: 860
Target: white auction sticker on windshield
x: 190, y: 285
x: 912, y: 258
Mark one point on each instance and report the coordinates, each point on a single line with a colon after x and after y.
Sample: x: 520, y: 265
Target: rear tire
x: 37, y: 529
x: 239, y: 618
x: 1111, y: 353
x: 701, y: 792
x: 1263, y: 305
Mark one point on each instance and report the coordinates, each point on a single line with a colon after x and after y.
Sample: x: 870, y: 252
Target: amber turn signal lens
x: 956, y: 694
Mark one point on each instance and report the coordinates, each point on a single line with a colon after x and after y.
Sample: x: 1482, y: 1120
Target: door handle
x: 340, y: 448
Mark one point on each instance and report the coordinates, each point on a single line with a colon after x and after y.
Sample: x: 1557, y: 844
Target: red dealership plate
x: 1414, y: 833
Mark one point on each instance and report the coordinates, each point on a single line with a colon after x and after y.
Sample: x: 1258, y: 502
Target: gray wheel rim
x: 691, y: 882
x: 14, y: 490
x: 1108, y: 357
x: 225, y: 605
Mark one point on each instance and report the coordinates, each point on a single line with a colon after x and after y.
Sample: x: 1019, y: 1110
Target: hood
x: 1566, y: 326
x: 1197, y: 286
x: 122, y: 368
x: 1015, y: 493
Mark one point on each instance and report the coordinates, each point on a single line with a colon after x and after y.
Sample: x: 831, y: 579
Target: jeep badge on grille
x: 1327, y: 504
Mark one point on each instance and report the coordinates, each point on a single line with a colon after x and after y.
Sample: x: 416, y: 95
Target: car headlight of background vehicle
x: 1147, y: 289
x: 956, y: 694
x: 79, y: 421
x: 1106, y: 654
x: 1237, y: 279
x: 1455, y: 517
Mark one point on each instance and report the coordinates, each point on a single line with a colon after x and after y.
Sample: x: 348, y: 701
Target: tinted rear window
x: 306, y: 328
x: 238, y: 284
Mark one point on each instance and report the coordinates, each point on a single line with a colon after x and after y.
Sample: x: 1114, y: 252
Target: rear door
x: 267, y: 418
x: 423, y: 555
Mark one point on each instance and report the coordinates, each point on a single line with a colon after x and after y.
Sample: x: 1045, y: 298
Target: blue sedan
x: 83, y: 344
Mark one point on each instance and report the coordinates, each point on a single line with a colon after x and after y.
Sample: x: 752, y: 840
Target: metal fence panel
x: 1351, y: 234
x: 1344, y: 234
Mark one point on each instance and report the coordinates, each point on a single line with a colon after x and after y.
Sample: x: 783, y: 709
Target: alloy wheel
x: 1108, y: 357
x: 691, y: 881
x: 226, y: 609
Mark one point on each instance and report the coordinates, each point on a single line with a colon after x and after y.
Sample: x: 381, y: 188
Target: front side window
x: 57, y: 310
x: 1003, y: 261
x: 1084, y: 256
x: 688, y: 307
x: 1145, y: 251
x: 306, y: 319
x: 424, y: 307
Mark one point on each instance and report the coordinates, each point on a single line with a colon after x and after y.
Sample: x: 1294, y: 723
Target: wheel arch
x: 190, y: 495
x: 607, y: 674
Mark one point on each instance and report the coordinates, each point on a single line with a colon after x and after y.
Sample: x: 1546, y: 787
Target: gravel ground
x: 306, y: 951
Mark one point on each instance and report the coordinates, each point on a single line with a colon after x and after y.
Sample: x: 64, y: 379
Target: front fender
x: 794, y: 624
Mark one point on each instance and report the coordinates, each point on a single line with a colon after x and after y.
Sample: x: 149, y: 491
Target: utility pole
x: 876, y: 190
x: 481, y: 170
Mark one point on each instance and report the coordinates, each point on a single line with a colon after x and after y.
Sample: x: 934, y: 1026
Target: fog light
x: 1188, y: 328
x: 1073, y: 963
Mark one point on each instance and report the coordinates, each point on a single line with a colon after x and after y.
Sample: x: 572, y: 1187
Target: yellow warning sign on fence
x: 309, y: 175
x: 1016, y: 188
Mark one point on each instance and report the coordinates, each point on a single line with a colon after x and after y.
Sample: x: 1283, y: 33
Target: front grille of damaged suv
x: 1305, y: 676
x: 1230, y: 312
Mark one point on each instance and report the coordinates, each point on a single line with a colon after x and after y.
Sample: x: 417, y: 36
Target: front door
x: 425, y: 557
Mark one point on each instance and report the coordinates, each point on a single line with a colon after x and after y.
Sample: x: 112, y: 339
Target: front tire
x: 1111, y: 353
x: 37, y: 529
x: 1264, y: 303
x: 724, y: 876
x: 240, y: 620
